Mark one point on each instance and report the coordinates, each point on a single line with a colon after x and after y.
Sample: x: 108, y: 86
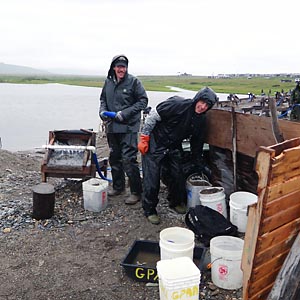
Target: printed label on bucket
x: 103, y: 198
x: 223, y: 272
x: 171, y: 292
x: 220, y: 208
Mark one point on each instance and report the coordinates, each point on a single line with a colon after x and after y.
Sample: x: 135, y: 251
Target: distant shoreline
x: 242, y: 84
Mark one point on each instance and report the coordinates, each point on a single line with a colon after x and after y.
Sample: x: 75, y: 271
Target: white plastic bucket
x: 238, y: 203
x: 179, y: 278
x: 226, y: 256
x: 214, y: 197
x: 194, y: 184
x: 95, y: 194
x: 176, y: 242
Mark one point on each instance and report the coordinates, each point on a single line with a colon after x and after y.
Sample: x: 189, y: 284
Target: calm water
x: 28, y: 112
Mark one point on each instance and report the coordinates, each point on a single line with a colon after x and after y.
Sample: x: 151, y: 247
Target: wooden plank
x: 283, y: 233
x: 250, y: 245
x: 273, y: 251
x: 287, y: 201
x: 258, y: 288
x: 288, y: 165
x: 252, y: 131
x: 285, y: 176
x: 254, y: 215
x: 287, y: 284
x: 266, y: 280
x: 268, y: 267
x: 280, y: 219
x: 279, y: 189
x: 216, y: 120
x: 291, y: 143
x: 257, y: 274
x: 86, y: 155
x: 289, y: 129
x: 259, y: 135
x: 290, y: 157
x: 262, y: 167
x: 262, y: 294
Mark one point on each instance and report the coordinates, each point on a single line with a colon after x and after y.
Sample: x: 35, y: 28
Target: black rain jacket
x: 179, y: 121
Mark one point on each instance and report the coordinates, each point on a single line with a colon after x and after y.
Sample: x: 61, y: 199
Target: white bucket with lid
x: 238, y: 203
x: 214, y: 197
x: 179, y: 278
x: 194, y: 184
x: 95, y: 194
x: 226, y: 256
x: 176, y: 242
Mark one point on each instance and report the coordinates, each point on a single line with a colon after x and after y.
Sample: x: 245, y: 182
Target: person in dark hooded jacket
x: 122, y: 99
x: 167, y: 125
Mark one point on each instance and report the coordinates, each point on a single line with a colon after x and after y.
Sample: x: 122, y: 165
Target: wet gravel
x: 119, y: 224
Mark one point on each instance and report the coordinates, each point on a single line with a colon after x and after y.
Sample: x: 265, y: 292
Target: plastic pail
x: 214, y: 197
x: 176, y: 242
x: 194, y: 184
x: 226, y: 255
x: 179, y: 278
x: 95, y: 194
x: 238, y: 203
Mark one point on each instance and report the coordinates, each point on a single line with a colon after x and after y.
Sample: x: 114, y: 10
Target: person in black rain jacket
x: 160, y: 144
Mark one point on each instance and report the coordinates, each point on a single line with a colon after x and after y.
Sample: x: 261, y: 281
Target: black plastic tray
x: 140, y: 261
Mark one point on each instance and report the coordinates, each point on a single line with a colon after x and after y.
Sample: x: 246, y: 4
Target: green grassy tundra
x: 236, y: 85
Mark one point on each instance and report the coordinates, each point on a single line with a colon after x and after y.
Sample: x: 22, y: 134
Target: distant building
x: 185, y: 74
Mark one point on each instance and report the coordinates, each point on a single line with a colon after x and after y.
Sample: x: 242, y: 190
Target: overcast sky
x: 160, y: 37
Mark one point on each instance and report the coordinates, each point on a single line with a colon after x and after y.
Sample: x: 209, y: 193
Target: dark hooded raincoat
x: 129, y: 97
x: 168, y: 125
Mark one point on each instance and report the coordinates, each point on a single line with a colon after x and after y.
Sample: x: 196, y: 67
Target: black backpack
x: 207, y: 223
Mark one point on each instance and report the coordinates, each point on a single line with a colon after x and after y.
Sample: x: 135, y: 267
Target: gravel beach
x: 76, y: 254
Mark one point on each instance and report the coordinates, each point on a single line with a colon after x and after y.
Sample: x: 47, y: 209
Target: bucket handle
x: 209, y: 265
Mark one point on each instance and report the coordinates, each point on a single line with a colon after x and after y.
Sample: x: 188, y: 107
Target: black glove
x: 119, y: 117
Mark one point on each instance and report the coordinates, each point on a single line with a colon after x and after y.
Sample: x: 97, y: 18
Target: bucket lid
x: 177, y: 268
x: 94, y: 184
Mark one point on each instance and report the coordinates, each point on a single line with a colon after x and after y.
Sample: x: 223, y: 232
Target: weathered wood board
x: 274, y: 221
x: 252, y: 131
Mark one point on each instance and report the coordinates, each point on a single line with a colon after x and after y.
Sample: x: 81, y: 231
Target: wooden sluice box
x: 71, y: 158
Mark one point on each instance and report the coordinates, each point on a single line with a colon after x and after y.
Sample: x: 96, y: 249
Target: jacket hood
x: 207, y: 95
x: 111, y: 71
